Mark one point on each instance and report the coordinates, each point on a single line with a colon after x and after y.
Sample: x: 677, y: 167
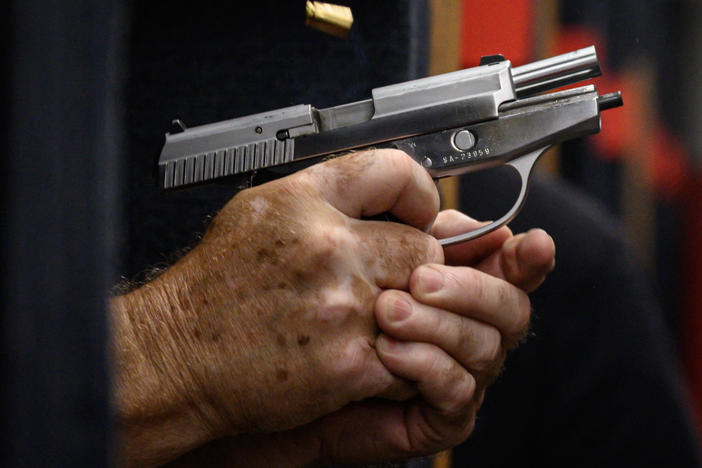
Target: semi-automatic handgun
x: 451, y: 124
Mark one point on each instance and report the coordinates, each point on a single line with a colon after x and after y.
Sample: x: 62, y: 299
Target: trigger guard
x: 523, y: 165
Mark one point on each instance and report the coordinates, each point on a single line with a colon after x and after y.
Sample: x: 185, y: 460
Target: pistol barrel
x: 557, y: 71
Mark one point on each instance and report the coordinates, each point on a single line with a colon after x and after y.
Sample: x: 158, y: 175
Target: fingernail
x: 430, y: 280
x: 400, y: 310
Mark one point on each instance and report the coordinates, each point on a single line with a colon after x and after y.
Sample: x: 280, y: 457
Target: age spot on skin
x: 281, y: 374
x: 302, y: 340
x: 300, y: 276
x: 263, y: 254
x: 281, y: 340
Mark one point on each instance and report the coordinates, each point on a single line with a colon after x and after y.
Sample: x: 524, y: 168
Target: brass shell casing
x: 329, y: 18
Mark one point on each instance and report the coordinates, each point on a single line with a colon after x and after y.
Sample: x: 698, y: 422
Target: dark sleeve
x: 597, y: 382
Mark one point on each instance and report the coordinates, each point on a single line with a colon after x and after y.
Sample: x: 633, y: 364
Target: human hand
x: 523, y: 260
x: 449, y: 335
x: 268, y: 322
x: 450, y: 307
x: 451, y: 345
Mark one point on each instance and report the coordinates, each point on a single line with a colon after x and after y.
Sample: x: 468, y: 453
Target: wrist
x: 160, y: 408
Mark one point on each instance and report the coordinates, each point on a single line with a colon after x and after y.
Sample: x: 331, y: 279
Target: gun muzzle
x: 557, y: 71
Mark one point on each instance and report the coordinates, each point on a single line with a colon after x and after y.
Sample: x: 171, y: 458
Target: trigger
x: 523, y: 165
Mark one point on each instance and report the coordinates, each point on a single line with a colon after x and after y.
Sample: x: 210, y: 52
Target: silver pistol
x: 451, y: 124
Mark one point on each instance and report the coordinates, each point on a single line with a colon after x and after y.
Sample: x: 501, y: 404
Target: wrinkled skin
x: 450, y: 345
x: 282, y: 334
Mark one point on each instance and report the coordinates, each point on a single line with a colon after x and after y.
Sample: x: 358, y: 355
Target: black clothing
x: 597, y: 382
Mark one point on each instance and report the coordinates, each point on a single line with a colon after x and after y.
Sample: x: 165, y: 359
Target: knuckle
x: 466, y: 339
x: 350, y: 363
x: 309, y: 181
x: 431, y: 362
x: 522, y: 313
x: 490, y: 350
x: 422, y: 248
x: 417, y: 248
x: 469, y: 281
x: 339, y: 306
x: 434, y: 251
x: 470, y: 278
x: 462, y: 392
x: 327, y: 242
x: 440, y: 325
x: 406, y: 168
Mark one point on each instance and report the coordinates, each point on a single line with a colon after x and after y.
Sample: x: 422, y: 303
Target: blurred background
x: 646, y: 165
x: 61, y: 210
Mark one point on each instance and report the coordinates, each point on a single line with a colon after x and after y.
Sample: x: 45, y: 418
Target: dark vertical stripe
x: 59, y: 230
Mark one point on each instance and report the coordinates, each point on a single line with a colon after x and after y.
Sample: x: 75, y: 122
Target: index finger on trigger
x: 372, y: 182
x: 450, y: 223
x: 472, y: 293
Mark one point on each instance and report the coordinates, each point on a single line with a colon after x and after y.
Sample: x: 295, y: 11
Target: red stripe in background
x: 496, y: 27
x: 500, y: 27
x: 627, y: 131
x: 618, y: 124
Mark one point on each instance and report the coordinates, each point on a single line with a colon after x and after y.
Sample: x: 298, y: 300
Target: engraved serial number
x: 465, y: 156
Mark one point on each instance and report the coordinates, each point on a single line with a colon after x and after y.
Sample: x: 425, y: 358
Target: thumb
x: 368, y: 183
